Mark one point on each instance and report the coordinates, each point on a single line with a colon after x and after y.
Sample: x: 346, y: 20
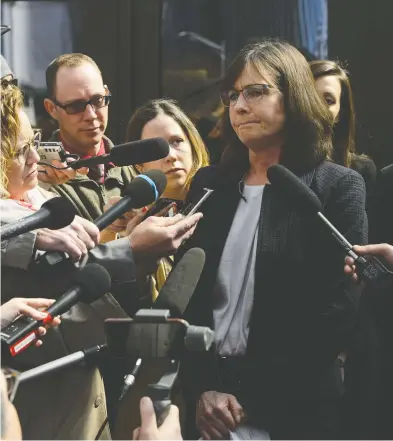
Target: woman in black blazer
x: 272, y: 286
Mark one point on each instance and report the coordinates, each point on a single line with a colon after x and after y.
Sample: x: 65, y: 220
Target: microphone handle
x: 114, y: 213
x: 65, y: 301
x: 29, y: 223
x: 52, y: 258
x: 88, y: 162
x: 58, y: 364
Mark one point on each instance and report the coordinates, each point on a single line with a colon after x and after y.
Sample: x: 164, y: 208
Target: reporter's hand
x: 16, y: 307
x: 75, y: 240
x: 217, y: 413
x: 158, y: 237
x: 382, y: 250
x: 52, y: 176
x: 169, y: 430
x: 121, y: 223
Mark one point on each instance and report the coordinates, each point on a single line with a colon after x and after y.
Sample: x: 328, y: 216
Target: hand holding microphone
x: 17, y: 307
x: 383, y: 251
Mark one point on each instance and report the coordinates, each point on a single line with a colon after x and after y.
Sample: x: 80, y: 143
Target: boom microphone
x: 142, y: 190
x: 92, y: 282
x: 283, y: 179
x: 54, y: 214
x: 130, y: 153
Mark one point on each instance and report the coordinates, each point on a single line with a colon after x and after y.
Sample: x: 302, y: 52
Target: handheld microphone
x: 55, y: 213
x: 130, y: 153
x: 92, y: 282
x: 371, y: 270
x: 142, y: 190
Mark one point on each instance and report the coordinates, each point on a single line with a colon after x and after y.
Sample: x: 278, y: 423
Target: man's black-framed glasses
x: 79, y: 106
x: 251, y: 93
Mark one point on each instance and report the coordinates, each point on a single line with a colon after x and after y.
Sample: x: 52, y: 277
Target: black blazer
x: 304, y: 307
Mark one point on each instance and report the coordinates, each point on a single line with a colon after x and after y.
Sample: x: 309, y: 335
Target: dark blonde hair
x: 308, y: 124
x: 11, y: 104
x: 151, y: 110
x: 344, y: 130
x: 67, y: 60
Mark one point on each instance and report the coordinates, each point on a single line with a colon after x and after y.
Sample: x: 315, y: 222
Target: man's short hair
x: 67, y: 60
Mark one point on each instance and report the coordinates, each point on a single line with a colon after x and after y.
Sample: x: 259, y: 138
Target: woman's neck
x: 179, y: 194
x: 259, y: 163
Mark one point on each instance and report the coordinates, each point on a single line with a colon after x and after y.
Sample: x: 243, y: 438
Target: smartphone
x: 48, y: 151
x: 192, y: 208
x: 162, y: 203
x: 127, y: 338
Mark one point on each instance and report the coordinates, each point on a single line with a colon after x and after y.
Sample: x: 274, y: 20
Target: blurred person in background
x: 360, y: 362
x: 334, y: 85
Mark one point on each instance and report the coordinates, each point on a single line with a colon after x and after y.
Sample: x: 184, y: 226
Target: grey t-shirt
x: 234, y: 288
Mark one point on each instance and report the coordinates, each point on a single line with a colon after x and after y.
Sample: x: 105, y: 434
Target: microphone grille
x: 283, y: 179
x: 139, y: 152
x: 62, y: 212
x: 95, y: 282
x: 181, y: 283
x: 146, y: 188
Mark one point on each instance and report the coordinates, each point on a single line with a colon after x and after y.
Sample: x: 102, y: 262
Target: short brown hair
x: 67, y: 60
x: 344, y: 129
x: 308, y: 125
x: 151, y: 110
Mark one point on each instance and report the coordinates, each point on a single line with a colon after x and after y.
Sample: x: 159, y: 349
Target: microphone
x: 92, y: 282
x: 372, y: 270
x: 180, y: 285
x: 55, y: 213
x: 142, y: 190
x: 89, y: 354
x: 130, y: 153
x: 175, y: 295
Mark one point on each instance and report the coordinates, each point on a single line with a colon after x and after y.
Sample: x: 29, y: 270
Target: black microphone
x: 180, y: 285
x: 130, y: 153
x: 142, y: 190
x: 175, y: 295
x: 371, y: 270
x: 54, y: 214
x: 84, y: 355
x: 92, y: 282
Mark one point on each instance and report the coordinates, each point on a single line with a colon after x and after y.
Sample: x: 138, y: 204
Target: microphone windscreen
x: 287, y: 182
x: 181, y: 283
x: 139, y: 152
x: 62, y: 212
x: 146, y: 188
x: 94, y: 280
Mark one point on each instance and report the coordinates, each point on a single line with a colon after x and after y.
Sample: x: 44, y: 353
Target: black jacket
x: 304, y: 308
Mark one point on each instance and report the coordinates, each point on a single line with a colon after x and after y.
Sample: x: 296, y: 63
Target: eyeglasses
x: 252, y: 94
x: 34, y: 143
x: 97, y: 102
x: 11, y: 377
x: 12, y: 82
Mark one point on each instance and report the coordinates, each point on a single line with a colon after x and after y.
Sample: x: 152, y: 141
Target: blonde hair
x: 11, y: 104
x: 153, y: 108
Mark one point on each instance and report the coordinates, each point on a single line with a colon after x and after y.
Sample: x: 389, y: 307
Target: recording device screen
x: 127, y: 338
x: 164, y: 203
